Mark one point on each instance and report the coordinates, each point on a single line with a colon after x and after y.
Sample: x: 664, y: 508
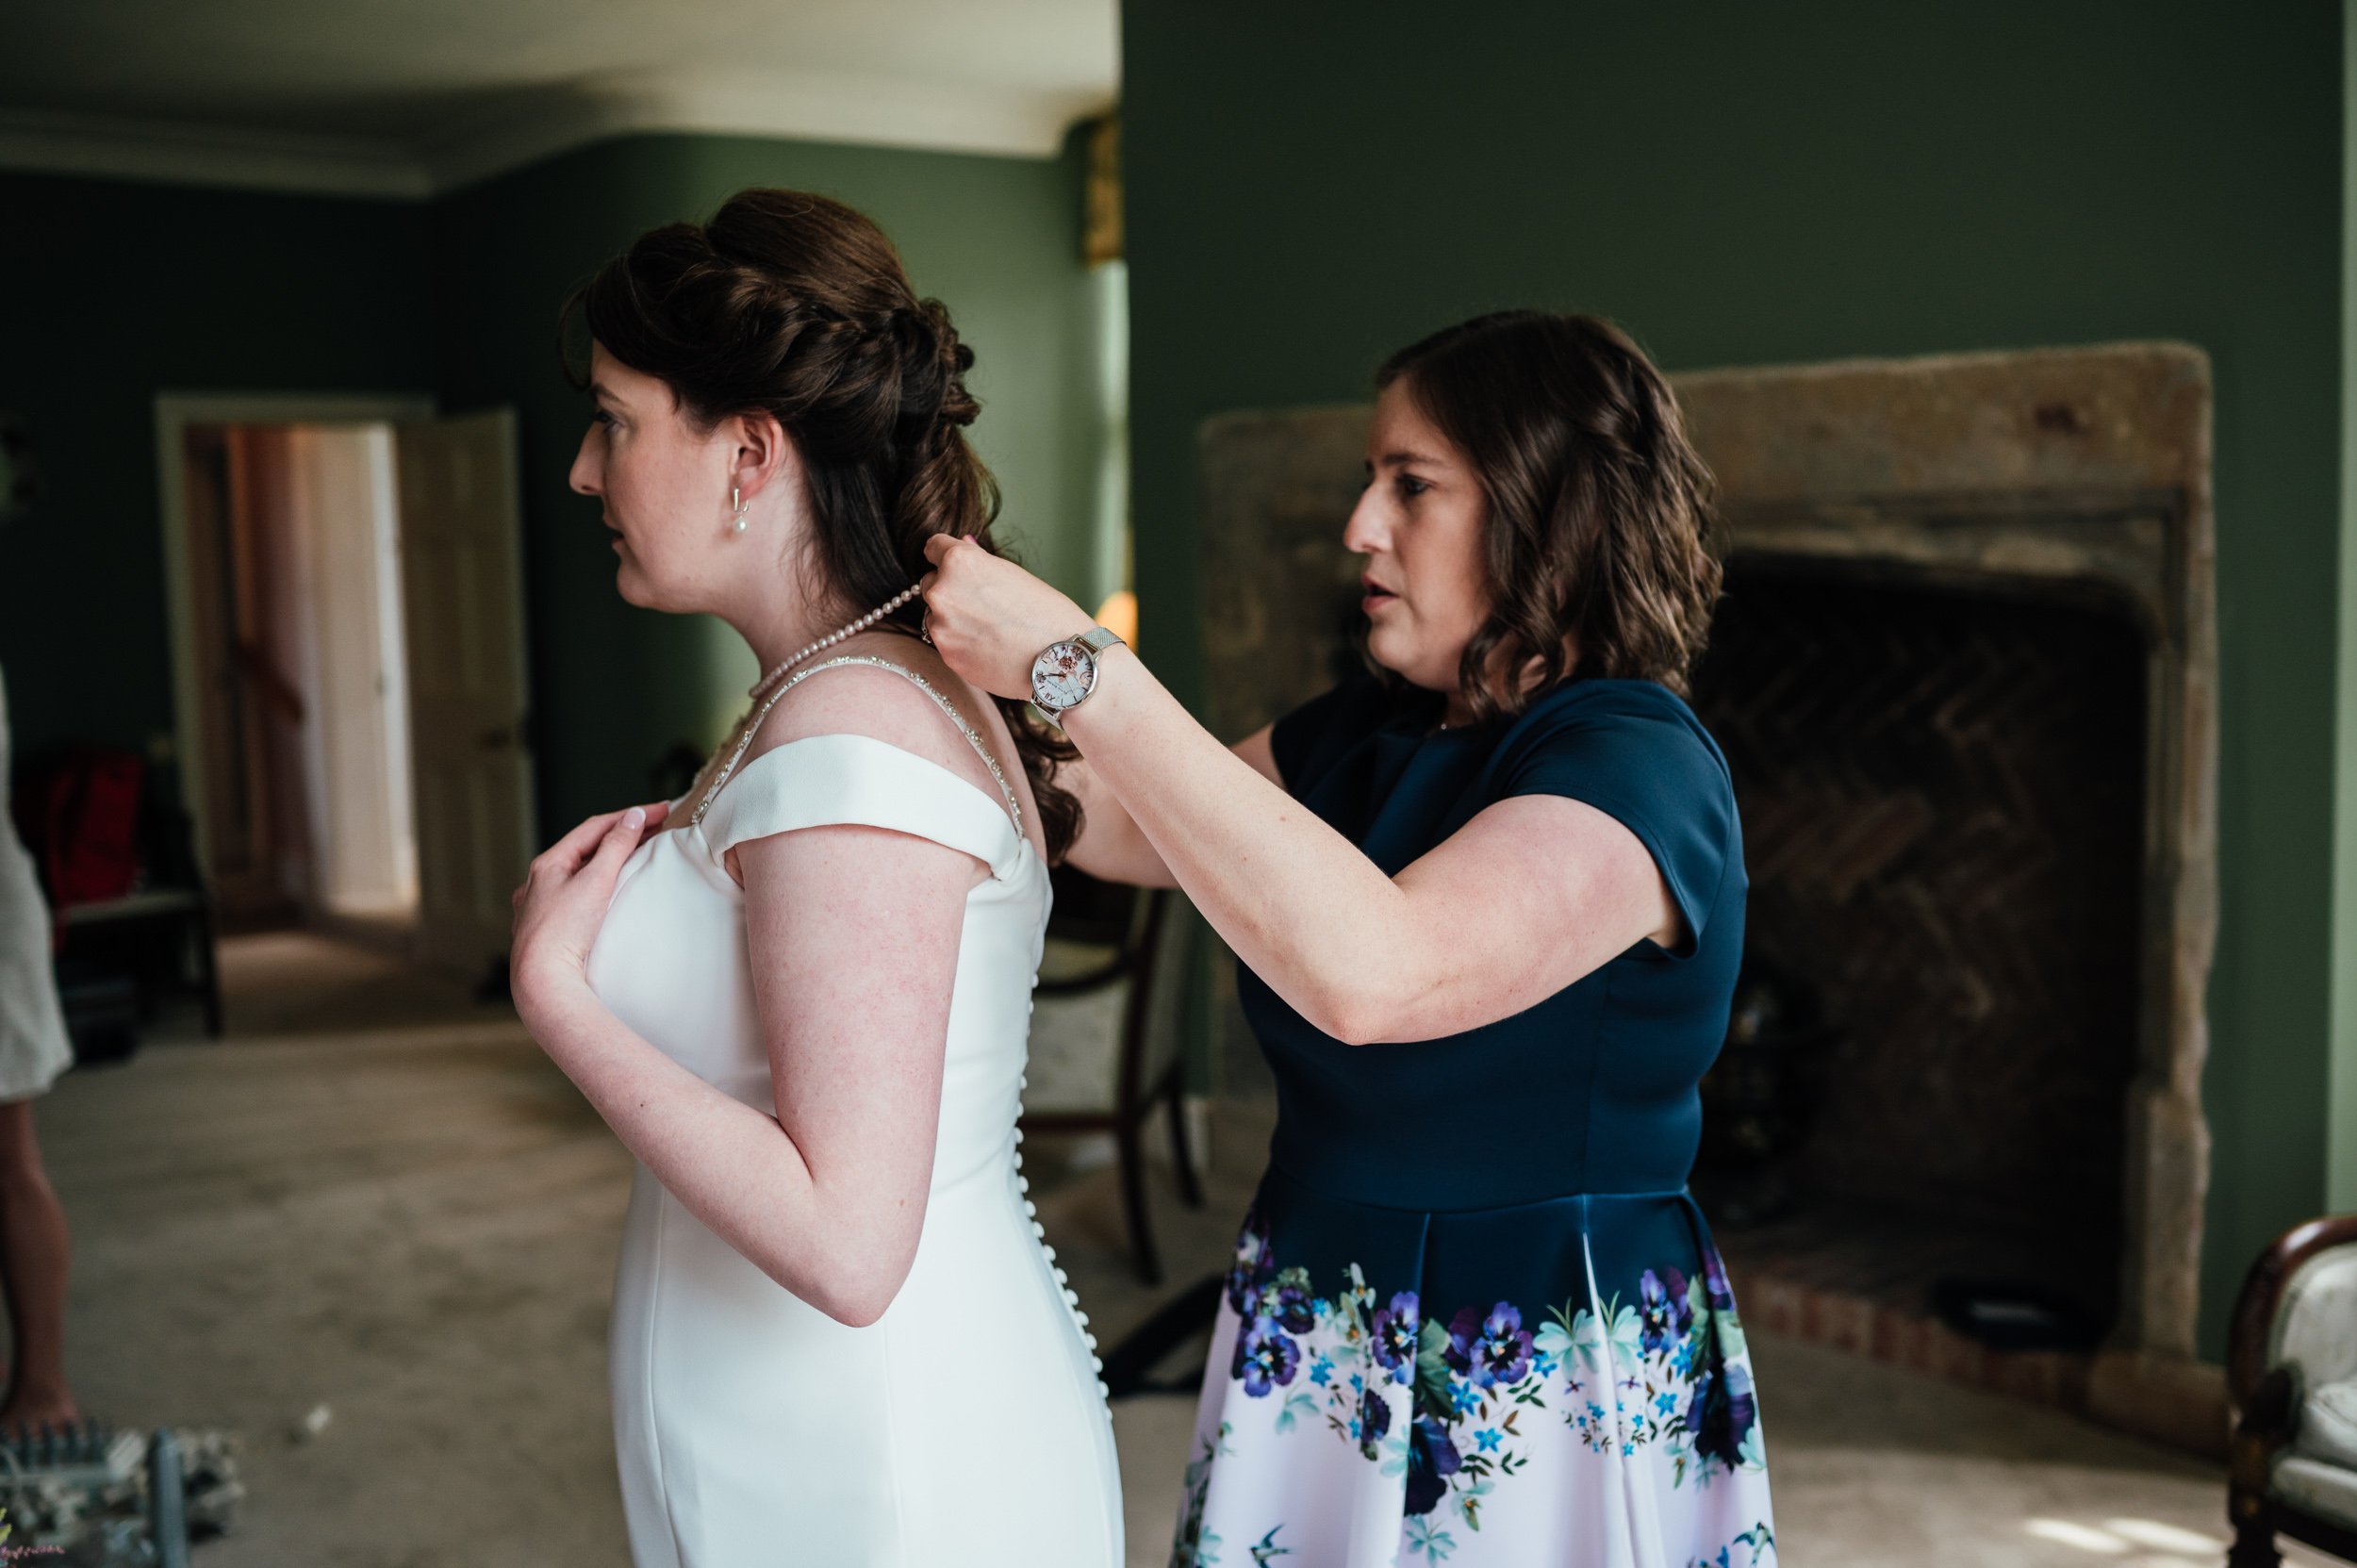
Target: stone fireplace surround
x: 2050, y: 473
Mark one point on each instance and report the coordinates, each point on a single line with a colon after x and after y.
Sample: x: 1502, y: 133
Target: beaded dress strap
x: 1015, y: 807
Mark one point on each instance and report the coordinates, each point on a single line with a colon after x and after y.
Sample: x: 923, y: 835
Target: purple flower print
x: 1722, y: 1413
x: 1664, y: 1312
x: 1374, y: 1420
x: 1251, y: 1268
x: 1504, y: 1347
x: 1488, y: 1350
x: 1394, y: 1332
x: 1432, y: 1459
x: 1265, y: 1357
x: 1698, y: 1393
x: 1462, y: 1330
x: 1292, y: 1307
x: 1715, y: 1282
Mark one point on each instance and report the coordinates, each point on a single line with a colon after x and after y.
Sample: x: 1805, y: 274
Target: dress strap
x: 1014, y: 808
x: 845, y: 778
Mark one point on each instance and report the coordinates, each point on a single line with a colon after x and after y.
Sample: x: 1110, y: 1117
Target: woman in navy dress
x: 1488, y: 902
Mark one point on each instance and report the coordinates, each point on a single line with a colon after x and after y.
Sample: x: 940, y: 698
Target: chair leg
x: 208, y: 972
x: 1182, y: 1152
x: 2254, y: 1546
x: 1132, y: 1151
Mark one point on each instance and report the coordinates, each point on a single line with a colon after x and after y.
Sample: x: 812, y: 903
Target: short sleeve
x: 821, y: 780
x: 1637, y: 753
x: 1305, y: 740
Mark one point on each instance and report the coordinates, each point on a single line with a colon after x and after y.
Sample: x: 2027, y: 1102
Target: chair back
x: 2316, y: 1319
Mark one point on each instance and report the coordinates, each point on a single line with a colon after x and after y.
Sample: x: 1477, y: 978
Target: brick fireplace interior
x: 1942, y: 789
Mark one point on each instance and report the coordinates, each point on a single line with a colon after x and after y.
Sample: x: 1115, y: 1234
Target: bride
x: 801, y: 993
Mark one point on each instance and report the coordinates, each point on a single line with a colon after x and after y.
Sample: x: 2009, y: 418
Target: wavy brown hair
x: 1597, y: 547
x: 792, y: 305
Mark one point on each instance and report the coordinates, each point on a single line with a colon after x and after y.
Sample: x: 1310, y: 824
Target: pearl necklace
x: 1015, y: 807
x: 762, y: 687
x: 742, y: 736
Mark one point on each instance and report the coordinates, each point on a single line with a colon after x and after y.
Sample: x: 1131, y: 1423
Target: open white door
x: 462, y: 593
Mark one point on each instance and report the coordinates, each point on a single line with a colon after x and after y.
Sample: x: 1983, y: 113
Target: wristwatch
x: 1065, y: 672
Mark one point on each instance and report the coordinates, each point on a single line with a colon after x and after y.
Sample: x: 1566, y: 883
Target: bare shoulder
x: 864, y: 699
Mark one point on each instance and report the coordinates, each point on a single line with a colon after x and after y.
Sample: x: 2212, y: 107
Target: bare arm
x: 853, y: 932
x: 1111, y: 847
x: 1532, y: 895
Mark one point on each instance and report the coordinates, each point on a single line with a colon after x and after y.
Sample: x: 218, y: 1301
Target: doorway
x: 345, y: 584
x: 303, y: 738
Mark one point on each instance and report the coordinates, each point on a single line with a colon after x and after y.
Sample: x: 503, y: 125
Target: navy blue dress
x: 1474, y: 1315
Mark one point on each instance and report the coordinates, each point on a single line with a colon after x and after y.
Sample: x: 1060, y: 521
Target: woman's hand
x: 562, y: 902
x: 990, y: 618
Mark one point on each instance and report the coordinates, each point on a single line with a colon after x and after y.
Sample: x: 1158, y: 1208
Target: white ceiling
x: 408, y: 97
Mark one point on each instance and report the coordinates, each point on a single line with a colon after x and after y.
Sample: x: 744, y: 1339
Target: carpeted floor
x: 414, y: 1227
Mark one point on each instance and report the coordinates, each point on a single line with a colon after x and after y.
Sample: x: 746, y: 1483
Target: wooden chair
x: 2294, y: 1330
x: 1101, y: 937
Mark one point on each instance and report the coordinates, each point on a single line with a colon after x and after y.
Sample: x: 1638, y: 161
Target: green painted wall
x: 1750, y: 185
x: 117, y: 291
x: 997, y: 239
x: 123, y: 289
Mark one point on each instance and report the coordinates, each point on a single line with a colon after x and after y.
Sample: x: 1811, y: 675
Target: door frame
x: 175, y: 413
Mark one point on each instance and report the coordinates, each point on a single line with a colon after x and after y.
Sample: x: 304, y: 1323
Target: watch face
x: 1061, y: 675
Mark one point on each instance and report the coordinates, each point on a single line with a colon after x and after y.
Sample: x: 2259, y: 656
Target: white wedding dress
x: 967, y: 1425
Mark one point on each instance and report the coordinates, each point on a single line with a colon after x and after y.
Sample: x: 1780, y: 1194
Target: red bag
x: 83, y: 826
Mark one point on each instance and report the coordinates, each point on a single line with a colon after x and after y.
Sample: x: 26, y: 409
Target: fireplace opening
x: 1943, y: 793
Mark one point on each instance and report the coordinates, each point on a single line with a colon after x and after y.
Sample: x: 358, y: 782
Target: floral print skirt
x: 1562, y: 1382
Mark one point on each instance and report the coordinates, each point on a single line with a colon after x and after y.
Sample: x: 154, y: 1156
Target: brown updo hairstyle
x: 1596, y: 544
x: 793, y: 304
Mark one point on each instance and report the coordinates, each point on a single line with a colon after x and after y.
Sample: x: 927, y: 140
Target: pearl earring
x: 736, y: 508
